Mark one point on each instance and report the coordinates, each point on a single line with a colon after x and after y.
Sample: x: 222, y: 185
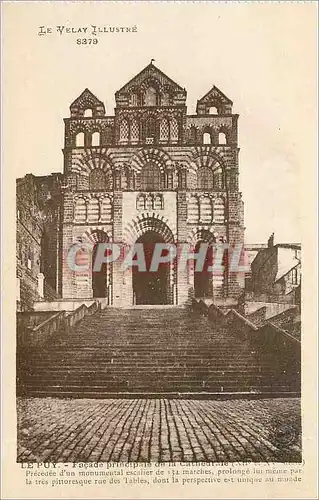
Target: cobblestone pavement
x: 121, y: 430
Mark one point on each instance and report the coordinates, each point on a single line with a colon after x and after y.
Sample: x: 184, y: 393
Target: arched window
x: 79, y: 139
x: 80, y: 211
x: 96, y: 139
x: 124, y: 131
x: 140, y: 202
x: 150, y: 177
x: 205, y: 210
x: 164, y: 130
x: 150, y: 129
x: 135, y: 131
x: 205, y: 178
x: 150, y: 97
x: 93, y: 210
x: 219, y: 211
x: 193, y: 210
x: 97, y: 180
x: 207, y: 138
x: 213, y: 110
x: 88, y: 113
x: 158, y: 202
x: 174, y: 130
x: 222, y: 138
x: 106, y: 210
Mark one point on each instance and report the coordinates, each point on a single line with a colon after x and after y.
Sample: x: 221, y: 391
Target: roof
x: 287, y: 259
x: 285, y: 270
x: 154, y: 71
x: 293, y: 246
x: 212, y: 93
x: 86, y: 95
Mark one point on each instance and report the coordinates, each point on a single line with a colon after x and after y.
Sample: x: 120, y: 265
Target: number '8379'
x: 87, y: 41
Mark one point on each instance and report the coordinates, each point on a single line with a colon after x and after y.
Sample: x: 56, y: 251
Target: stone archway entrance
x: 151, y: 287
x: 156, y: 287
x: 100, y: 278
x: 203, y: 279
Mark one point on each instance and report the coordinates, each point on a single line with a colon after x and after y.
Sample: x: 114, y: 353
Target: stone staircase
x: 149, y: 351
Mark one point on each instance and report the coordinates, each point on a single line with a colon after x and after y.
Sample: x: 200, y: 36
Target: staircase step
x: 133, y: 351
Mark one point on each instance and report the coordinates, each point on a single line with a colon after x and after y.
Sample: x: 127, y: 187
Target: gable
x: 215, y: 94
x: 151, y: 77
x: 87, y: 100
x: 214, y: 98
x: 150, y: 72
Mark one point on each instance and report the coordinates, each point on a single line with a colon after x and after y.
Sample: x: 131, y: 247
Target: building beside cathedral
x: 150, y: 174
x: 38, y: 238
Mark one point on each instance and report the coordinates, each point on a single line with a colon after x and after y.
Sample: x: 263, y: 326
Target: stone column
x: 117, y: 272
x: 184, y: 288
x: 41, y: 285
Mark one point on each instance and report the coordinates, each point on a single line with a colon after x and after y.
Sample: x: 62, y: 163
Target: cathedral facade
x: 150, y: 174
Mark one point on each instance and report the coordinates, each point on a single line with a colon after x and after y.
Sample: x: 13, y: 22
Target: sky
x: 262, y: 56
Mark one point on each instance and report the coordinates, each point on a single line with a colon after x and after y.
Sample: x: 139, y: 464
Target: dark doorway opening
x: 99, y: 278
x: 151, y: 287
x: 203, y: 278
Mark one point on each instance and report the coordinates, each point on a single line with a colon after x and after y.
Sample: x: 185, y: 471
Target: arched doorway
x: 203, y: 286
x: 151, y: 287
x: 100, y: 278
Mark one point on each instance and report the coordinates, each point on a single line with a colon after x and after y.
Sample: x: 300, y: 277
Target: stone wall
x: 38, y: 203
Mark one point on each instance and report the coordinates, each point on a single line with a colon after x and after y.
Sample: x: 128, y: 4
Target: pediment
x: 214, y: 98
x: 87, y: 100
x: 151, y: 75
x: 215, y: 94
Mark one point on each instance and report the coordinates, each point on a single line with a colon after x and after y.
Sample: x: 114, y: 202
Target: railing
x: 200, y: 307
x: 285, y: 335
x: 80, y: 312
x: 38, y: 335
x: 31, y: 318
x: 284, y: 349
x: 215, y: 313
x: 240, y: 324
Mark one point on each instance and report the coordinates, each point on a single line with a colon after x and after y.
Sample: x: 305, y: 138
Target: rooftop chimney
x: 271, y: 240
